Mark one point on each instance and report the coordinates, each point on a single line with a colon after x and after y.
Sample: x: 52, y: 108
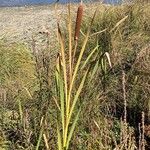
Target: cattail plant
x: 67, y: 94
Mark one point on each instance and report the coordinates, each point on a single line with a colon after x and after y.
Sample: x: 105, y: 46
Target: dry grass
x: 79, y: 98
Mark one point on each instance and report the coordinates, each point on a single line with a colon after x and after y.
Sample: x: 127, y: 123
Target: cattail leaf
x: 59, y: 138
x: 74, y: 103
x: 89, y: 56
x: 63, y: 61
x: 72, y: 128
x: 62, y: 101
x: 77, y: 94
x: 57, y: 73
x: 60, y: 90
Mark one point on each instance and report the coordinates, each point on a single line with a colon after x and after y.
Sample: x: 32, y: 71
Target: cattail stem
x: 74, y: 52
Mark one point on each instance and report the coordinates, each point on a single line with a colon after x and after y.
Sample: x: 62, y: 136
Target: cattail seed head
x: 78, y: 21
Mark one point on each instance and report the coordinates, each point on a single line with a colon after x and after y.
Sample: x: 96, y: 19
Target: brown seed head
x: 78, y: 21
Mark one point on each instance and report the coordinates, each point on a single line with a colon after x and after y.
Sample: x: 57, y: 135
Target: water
x: 38, y: 2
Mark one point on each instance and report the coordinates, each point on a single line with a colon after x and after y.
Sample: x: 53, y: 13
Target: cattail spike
x: 78, y: 21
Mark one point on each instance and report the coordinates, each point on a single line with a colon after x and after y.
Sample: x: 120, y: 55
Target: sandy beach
x: 20, y: 23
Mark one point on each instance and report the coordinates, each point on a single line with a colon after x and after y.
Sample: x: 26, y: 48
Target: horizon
x: 9, y: 3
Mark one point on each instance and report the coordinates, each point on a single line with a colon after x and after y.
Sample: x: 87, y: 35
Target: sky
x: 26, y: 2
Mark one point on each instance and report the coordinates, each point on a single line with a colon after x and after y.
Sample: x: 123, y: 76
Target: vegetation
x: 90, y: 90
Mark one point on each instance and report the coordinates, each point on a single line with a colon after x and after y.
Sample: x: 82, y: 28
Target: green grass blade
x: 118, y: 23
x: 40, y: 138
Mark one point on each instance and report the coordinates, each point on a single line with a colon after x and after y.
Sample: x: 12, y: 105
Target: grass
x: 89, y: 91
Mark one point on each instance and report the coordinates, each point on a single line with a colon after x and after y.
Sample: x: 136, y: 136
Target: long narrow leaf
x: 46, y: 142
x: 58, y: 65
x: 40, y: 138
x: 59, y: 138
x: 77, y: 94
x: 60, y: 90
x: 89, y: 56
x: 118, y: 23
x: 72, y: 129
x: 63, y: 60
x: 62, y: 102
